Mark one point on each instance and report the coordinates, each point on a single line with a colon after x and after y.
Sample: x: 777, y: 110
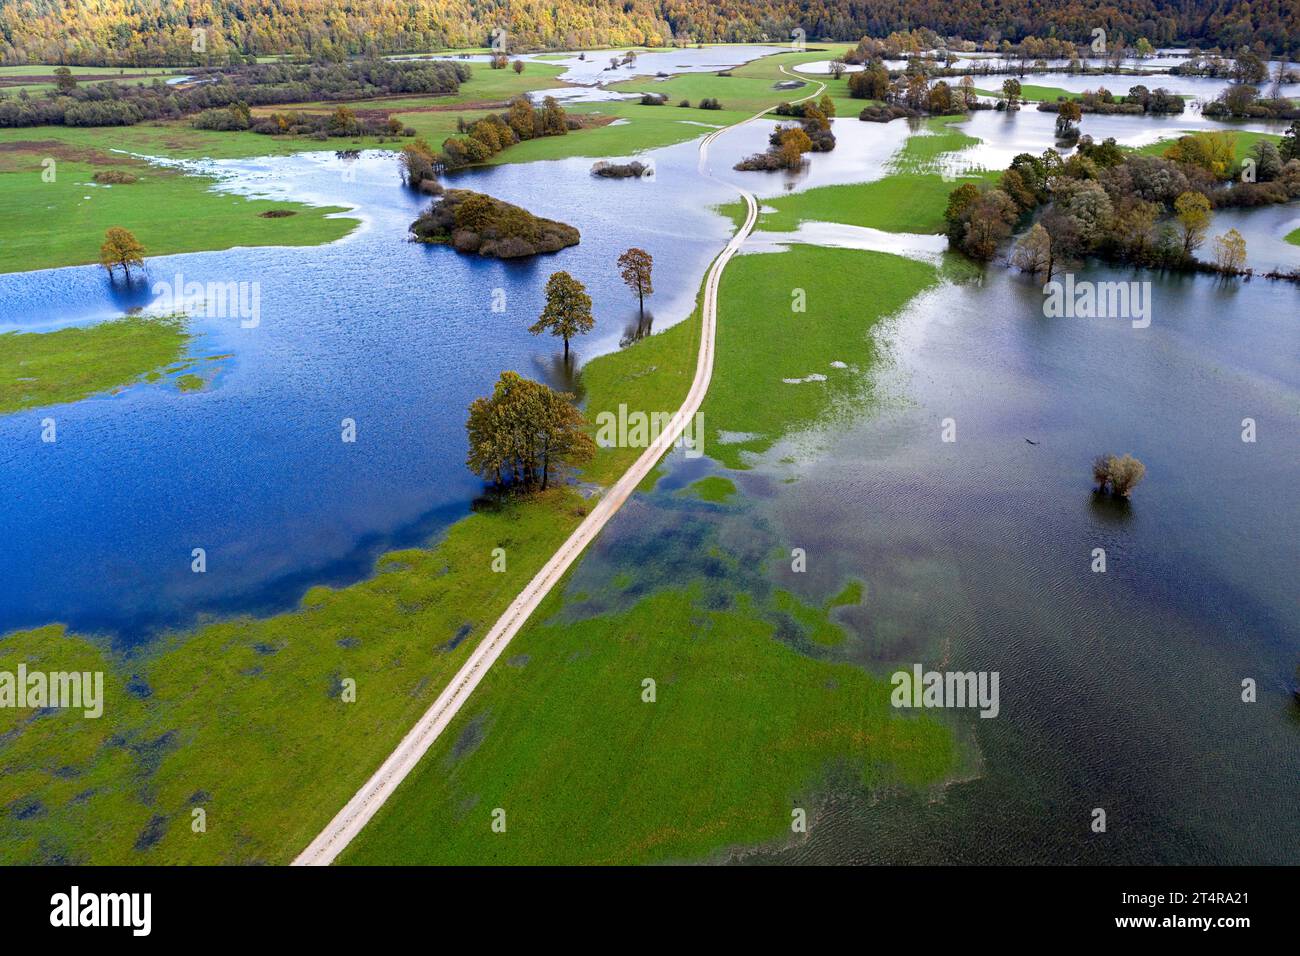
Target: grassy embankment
x: 49, y: 368
x: 1293, y: 237
x: 753, y: 715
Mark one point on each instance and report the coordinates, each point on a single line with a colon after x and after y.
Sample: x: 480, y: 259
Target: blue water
x: 98, y: 527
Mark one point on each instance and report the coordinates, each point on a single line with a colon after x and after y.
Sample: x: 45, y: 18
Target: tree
x: 517, y: 66
x: 1122, y: 475
x: 1290, y: 145
x: 988, y: 222
x: 960, y: 201
x: 1268, y: 161
x: 635, y: 267
x: 837, y: 68
x: 64, y: 81
x: 1011, y: 92
x: 1230, y: 252
x: 1068, y: 113
x: 1101, y: 471
x: 1033, y: 253
x: 966, y: 86
x: 343, y: 122
x: 568, y: 310
x: 1193, y: 212
x: 524, y: 432
x: 120, y: 248
x: 1125, y: 474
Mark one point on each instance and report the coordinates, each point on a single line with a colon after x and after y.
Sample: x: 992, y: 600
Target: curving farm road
x: 358, y: 811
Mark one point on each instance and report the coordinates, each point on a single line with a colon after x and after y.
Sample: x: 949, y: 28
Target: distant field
x: 912, y: 200
x: 63, y: 222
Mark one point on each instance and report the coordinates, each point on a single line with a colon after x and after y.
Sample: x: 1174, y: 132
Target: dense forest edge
x: 163, y: 32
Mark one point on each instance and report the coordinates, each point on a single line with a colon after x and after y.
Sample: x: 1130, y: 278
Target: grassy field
x: 62, y: 223
x: 1033, y: 93
x: 911, y: 199
x: 743, y: 729
x: 1293, y: 237
x: 767, y: 352
x: 48, y: 368
x: 751, y: 87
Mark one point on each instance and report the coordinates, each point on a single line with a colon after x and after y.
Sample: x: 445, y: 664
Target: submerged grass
x: 49, y: 368
x: 742, y: 730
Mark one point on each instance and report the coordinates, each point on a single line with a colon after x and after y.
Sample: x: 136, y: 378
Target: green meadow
x: 48, y: 368
x: 743, y: 730
x: 62, y: 222
x: 775, y: 363
x: 911, y: 199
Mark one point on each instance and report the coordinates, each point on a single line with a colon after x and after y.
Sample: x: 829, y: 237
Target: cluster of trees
x: 524, y: 433
x: 160, y: 32
x: 486, y: 137
x: 870, y: 83
x: 1243, y: 101
x: 912, y: 94
x: 342, y: 122
x: 109, y: 103
x: 787, y: 144
x: 473, y: 222
x: 1151, y: 211
x: 1139, y: 101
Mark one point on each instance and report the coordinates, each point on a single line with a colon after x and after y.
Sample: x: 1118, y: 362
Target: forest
x: 108, y: 103
x: 162, y: 32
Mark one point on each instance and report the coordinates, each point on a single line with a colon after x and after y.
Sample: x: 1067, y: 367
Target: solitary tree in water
x: 635, y: 267
x: 120, y: 248
x: 568, y: 309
